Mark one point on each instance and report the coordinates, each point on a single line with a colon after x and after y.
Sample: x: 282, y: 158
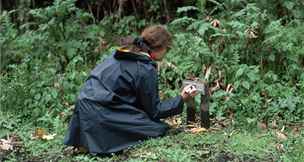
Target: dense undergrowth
x: 250, y: 53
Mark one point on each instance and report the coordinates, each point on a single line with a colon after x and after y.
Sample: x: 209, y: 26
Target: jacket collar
x: 124, y: 54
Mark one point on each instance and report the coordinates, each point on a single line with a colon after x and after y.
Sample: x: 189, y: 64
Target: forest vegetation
x: 249, y: 52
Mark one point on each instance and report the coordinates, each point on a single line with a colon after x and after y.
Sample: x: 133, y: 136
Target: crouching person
x: 119, y: 104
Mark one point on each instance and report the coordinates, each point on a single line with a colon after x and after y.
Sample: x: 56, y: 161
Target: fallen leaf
x: 215, y: 23
x: 12, y: 142
x: 48, y: 137
x: 280, y: 147
x: 281, y: 136
x: 6, y: 145
x: 174, y: 122
x: 198, y: 130
x: 39, y: 133
x: 251, y: 33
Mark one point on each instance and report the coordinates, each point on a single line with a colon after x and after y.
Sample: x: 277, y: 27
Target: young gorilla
x: 119, y: 104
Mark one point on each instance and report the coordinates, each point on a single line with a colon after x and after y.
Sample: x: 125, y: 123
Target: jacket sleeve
x: 148, y: 97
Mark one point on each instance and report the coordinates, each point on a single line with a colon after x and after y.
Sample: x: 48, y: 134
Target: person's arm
x: 148, y: 97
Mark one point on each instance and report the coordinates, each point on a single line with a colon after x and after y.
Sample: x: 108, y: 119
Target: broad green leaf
x: 246, y: 84
x: 239, y: 72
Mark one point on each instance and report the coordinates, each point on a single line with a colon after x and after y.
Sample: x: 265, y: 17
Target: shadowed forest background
x: 249, y: 52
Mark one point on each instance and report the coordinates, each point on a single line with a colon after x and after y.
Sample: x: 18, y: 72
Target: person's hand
x: 188, y: 92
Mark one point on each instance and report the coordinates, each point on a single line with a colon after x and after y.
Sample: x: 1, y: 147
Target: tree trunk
x: 120, y: 8
x: 134, y: 7
x: 166, y: 10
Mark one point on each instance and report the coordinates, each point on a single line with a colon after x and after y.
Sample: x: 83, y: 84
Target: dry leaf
x: 39, y: 133
x: 198, y: 130
x: 251, y: 33
x: 6, y: 145
x: 12, y: 142
x: 281, y: 136
x: 174, y: 121
x: 48, y: 137
x: 280, y: 147
x: 215, y: 23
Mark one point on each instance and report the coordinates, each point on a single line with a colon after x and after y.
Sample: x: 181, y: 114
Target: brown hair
x: 155, y: 37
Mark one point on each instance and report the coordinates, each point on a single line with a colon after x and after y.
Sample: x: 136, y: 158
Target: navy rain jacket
x: 119, y: 105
